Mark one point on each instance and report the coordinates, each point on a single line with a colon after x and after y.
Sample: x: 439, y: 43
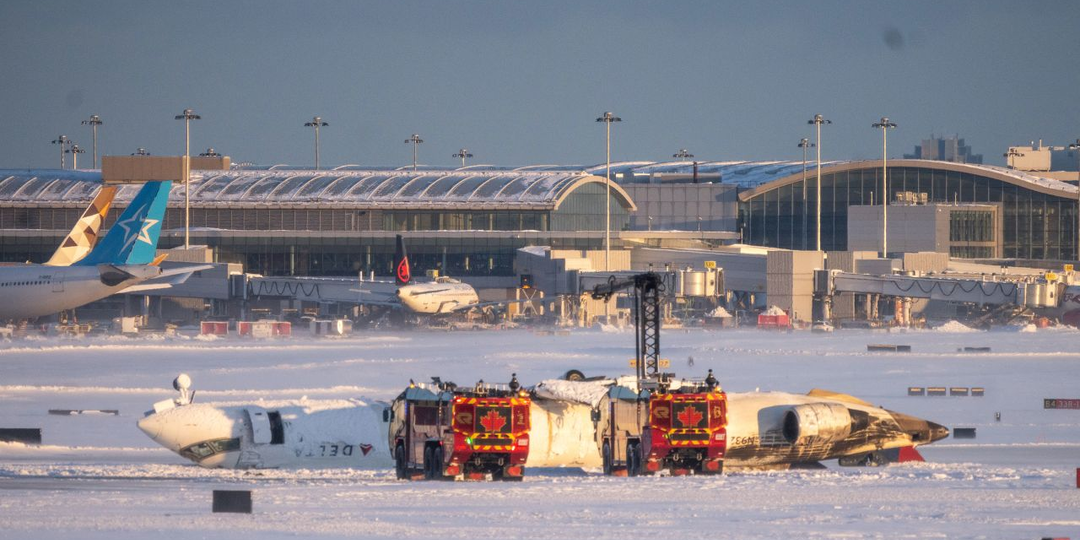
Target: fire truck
x: 658, y: 423
x: 440, y: 431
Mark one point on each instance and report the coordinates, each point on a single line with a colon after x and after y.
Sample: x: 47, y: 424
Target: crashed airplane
x: 766, y: 430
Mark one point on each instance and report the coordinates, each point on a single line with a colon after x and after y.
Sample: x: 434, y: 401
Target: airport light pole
x: 1075, y: 147
x: 187, y: 116
x: 140, y: 152
x: 94, y: 121
x: 682, y: 154
x: 818, y: 120
x: 210, y: 152
x: 416, y: 141
x: 608, y: 118
x: 463, y: 153
x: 316, y: 123
x: 63, y: 142
x: 884, y: 125
x: 74, y: 150
x: 804, y: 143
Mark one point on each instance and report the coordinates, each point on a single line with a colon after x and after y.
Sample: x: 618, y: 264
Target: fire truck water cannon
x: 664, y: 424
x: 442, y: 431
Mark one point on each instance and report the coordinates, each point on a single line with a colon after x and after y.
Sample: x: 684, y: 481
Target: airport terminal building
x: 770, y: 204
x: 470, y: 222
x: 340, y: 222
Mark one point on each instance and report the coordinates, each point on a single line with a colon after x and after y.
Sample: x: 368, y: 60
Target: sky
x: 521, y: 83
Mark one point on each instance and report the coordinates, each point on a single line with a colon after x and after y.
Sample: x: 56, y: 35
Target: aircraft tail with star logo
x: 133, y: 238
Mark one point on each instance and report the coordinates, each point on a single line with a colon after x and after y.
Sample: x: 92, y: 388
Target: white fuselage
x: 353, y: 434
x: 437, y: 297
x: 34, y: 290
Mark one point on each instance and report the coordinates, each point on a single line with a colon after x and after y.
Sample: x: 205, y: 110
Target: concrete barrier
x: 21, y: 435
x: 963, y: 433
x: 232, y: 501
x: 916, y: 391
x: 958, y: 391
x: 936, y: 391
x: 880, y: 347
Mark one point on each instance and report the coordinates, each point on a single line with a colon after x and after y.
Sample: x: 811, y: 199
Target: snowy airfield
x: 98, y: 476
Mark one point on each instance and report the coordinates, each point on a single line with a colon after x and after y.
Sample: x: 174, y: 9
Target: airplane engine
x: 821, y: 423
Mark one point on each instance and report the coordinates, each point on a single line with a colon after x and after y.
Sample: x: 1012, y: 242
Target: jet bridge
x: 1038, y: 293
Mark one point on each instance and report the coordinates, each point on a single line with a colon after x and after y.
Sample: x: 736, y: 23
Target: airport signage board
x: 1052, y: 403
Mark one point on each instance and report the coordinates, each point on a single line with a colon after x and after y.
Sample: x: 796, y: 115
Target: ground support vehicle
x: 659, y: 423
x: 439, y: 431
x: 681, y: 431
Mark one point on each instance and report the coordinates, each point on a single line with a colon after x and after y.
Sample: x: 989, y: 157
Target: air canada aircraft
x: 766, y: 430
x: 442, y: 296
x: 121, y: 262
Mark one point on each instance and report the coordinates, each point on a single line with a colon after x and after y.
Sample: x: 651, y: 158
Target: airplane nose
x: 151, y: 426
x: 937, y: 431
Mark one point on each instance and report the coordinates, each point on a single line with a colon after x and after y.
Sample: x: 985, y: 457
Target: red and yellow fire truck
x: 658, y: 423
x: 681, y: 430
x: 440, y: 431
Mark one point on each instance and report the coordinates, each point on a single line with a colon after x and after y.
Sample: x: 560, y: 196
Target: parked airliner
x: 125, y: 258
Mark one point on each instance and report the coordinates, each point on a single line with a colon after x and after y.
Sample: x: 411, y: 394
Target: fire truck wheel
x: 437, y: 463
x: 399, y: 462
x: 606, y: 455
x: 429, y: 463
x: 633, y: 458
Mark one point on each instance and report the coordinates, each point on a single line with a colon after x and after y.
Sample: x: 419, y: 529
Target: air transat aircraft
x: 765, y: 430
x: 122, y: 261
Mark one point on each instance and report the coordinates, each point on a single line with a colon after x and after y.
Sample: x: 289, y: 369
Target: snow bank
x: 954, y: 327
x: 718, y: 313
x: 774, y: 311
x: 584, y: 392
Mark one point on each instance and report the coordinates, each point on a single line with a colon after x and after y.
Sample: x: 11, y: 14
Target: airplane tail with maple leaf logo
x: 402, y: 269
x: 133, y: 238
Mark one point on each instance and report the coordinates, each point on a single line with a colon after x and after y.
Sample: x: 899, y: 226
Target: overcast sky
x: 523, y: 82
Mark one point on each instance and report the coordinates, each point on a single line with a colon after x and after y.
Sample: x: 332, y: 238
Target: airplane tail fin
x: 402, y: 268
x: 133, y: 238
x: 84, y: 235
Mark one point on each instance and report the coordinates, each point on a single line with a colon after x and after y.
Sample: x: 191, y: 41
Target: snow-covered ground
x: 98, y: 476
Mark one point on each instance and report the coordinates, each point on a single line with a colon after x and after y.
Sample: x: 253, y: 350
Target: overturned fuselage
x: 765, y: 430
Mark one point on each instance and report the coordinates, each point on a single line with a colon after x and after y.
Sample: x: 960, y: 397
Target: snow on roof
x: 537, y: 186
x: 346, y: 185
x: 751, y: 174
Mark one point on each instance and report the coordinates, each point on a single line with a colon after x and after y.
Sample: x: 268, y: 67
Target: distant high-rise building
x: 945, y: 149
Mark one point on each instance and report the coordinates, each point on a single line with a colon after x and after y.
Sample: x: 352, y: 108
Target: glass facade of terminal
x: 1035, y: 225
x: 333, y: 240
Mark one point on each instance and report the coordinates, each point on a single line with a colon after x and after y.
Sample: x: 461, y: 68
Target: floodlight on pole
x: 74, y: 150
x: 608, y: 118
x: 416, y: 141
x: 210, y: 152
x: 463, y: 153
x: 818, y: 120
x: 316, y: 123
x: 63, y: 142
x: 94, y: 121
x: 187, y: 116
x: 682, y: 154
x: 140, y: 152
x: 884, y: 125
x: 804, y: 143
x: 1075, y: 147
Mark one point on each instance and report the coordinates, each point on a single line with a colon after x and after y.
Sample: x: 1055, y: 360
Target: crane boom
x: 646, y: 292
